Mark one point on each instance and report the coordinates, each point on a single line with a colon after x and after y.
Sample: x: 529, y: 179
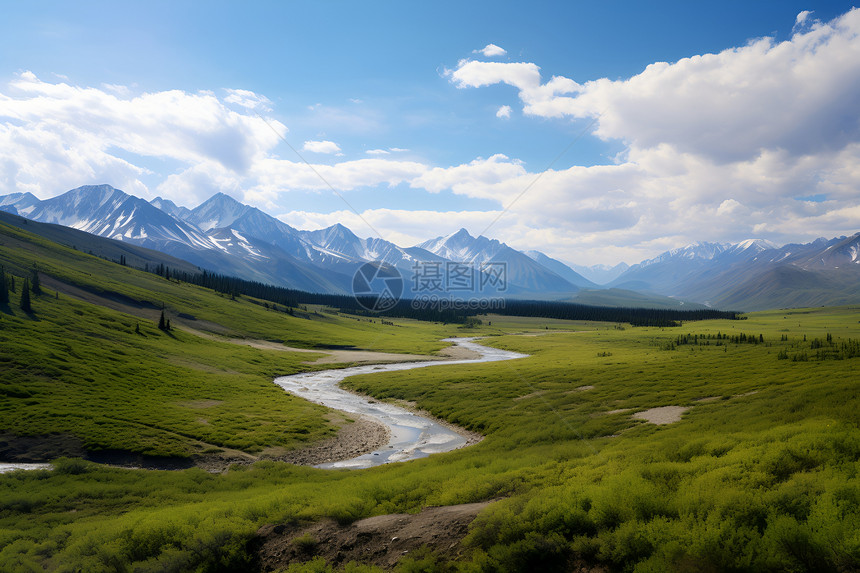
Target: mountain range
x: 228, y: 237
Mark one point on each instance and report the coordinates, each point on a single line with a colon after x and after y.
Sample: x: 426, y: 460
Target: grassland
x: 94, y: 378
x: 760, y: 474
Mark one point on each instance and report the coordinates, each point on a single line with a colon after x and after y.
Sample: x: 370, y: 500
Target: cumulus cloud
x: 497, y: 178
x: 718, y: 145
x: 60, y: 134
x: 802, y: 95
x: 56, y: 136
x: 504, y: 112
x: 378, y: 152
x: 324, y: 146
x: 491, y: 51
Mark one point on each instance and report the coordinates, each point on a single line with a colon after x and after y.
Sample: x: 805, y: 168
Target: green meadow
x: 759, y: 474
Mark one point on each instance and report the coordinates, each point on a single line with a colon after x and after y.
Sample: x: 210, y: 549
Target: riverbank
x: 371, y: 432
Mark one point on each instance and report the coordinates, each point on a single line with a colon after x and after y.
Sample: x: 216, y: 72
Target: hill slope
x: 87, y: 372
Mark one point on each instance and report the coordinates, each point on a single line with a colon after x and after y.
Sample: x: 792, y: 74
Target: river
x: 412, y: 436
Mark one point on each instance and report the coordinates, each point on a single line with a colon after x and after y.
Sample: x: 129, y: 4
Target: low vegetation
x: 759, y: 474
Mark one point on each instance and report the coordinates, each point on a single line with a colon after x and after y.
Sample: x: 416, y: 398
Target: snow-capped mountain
x: 751, y: 274
x: 19, y: 203
x: 521, y: 270
x: 337, y: 246
x: 225, y: 236
x: 108, y: 212
x: 222, y: 211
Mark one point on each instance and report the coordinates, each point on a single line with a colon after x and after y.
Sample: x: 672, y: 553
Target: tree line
x: 234, y: 286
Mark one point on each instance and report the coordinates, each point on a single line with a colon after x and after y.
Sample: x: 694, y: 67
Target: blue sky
x: 748, y: 128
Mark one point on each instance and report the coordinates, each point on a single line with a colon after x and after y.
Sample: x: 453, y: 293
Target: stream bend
x: 412, y: 436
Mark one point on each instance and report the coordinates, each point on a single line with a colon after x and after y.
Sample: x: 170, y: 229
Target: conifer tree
x: 36, y: 286
x: 11, y: 283
x: 161, y: 324
x: 25, y: 297
x: 4, y: 287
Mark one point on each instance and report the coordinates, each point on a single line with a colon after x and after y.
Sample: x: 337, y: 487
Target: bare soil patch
x: 382, y: 540
x: 662, y: 415
x: 356, y: 439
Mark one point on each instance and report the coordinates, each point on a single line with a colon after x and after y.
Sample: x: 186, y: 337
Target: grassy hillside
x: 138, y: 257
x: 88, y: 371
x: 759, y: 474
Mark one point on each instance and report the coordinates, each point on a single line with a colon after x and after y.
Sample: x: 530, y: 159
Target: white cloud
x: 801, y: 19
x: 248, y: 99
x: 504, y: 112
x: 728, y: 207
x: 57, y: 136
x: 719, y: 145
x: 321, y: 147
x: 793, y: 95
x: 491, y: 51
x: 497, y: 178
x: 277, y: 175
x: 403, y: 227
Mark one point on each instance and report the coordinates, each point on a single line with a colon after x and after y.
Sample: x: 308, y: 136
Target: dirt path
x: 382, y: 540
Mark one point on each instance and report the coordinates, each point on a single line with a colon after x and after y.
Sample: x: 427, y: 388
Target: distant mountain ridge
x: 754, y: 274
x: 228, y: 237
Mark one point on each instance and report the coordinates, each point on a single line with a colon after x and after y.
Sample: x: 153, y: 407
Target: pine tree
x: 36, y: 286
x: 4, y: 287
x: 11, y: 283
x: 25, y: 297
x: 161, y: 324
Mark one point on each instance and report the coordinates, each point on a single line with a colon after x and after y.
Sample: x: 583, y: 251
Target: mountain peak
x: 460, y: 235
x: 219, y: 210
x: 755, y: 245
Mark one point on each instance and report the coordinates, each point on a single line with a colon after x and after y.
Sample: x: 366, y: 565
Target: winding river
x: 412, y: 436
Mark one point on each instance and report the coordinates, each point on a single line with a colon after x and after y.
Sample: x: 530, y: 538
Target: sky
x: 595, y: 132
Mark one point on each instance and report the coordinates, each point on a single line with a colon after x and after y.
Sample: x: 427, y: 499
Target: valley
x: 756, y: 469
x: 358, y: 287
